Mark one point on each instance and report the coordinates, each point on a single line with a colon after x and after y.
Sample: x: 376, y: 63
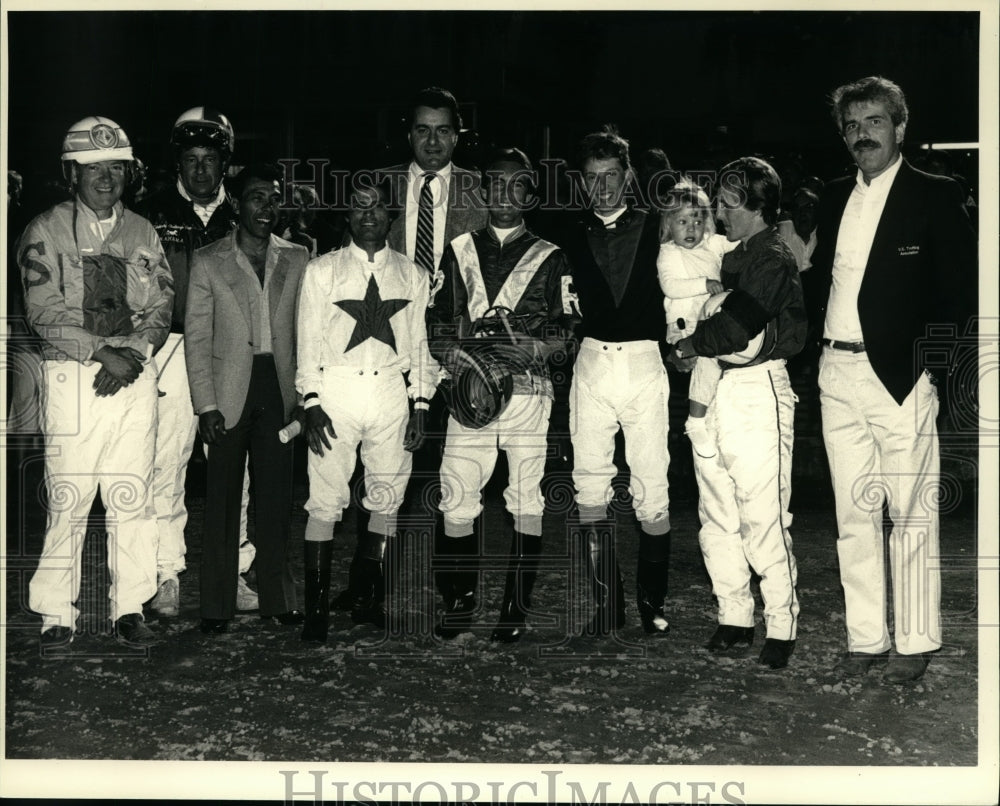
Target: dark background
x: 332, y: 85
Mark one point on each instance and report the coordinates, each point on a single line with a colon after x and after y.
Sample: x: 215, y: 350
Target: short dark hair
x: 374, y: 180
x: 872, y: 88
x: 435, y: 98
x: 758, y: 185
x: 516, y: 156
x: 602, y: 145
x: 265, y: 171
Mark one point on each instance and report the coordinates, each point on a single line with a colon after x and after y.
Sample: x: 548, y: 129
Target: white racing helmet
x: 748, y: 353
x: 203, y: 126
x: 96, y: 139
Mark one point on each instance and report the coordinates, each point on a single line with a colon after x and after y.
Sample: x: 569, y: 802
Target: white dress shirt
x: 439, y: 192
x: 854, y: 244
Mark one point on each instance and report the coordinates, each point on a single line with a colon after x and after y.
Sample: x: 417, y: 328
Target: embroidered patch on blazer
x: 906, y: 251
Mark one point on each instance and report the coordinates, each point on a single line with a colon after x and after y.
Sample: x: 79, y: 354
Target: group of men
x: 442, y: 288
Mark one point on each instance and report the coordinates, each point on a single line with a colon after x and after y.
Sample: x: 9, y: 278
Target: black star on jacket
x: 372, y: 314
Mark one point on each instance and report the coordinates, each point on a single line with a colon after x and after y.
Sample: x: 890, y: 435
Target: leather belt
x: 848, y: 346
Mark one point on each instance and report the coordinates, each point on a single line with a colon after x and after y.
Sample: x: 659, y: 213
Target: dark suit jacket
x: 922, y: 270
x: 217, y: 342
x: 466, y: 208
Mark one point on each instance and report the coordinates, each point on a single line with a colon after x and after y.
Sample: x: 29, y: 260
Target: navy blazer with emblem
x: 921, y: 272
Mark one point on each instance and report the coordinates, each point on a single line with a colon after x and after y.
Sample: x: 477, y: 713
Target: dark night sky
x: 330, y: 84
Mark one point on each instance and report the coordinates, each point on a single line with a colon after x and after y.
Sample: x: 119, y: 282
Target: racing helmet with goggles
x: 205, y: 127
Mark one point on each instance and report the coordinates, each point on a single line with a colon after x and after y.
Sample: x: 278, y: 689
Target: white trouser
x: 880, y: 450
x: 621, y: 384
x: 744, y: 492
x: 470, y: 454
x: 704, y: 380
x: 176, y: 426
x: 96, y: 442
x: 370, y: 409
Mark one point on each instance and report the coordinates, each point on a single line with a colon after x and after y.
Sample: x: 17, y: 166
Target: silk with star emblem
x: 362, y: 316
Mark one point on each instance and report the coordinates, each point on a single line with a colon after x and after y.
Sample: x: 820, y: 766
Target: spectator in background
x: 655, y: 177
x: 798, y: 230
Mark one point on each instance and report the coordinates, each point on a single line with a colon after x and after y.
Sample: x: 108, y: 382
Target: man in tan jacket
x: 240, y: 350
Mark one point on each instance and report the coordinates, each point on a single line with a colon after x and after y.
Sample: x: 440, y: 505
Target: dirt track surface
x: 254, y: 693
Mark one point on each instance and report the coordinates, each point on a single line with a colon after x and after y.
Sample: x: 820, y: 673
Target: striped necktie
x: 424, y: 252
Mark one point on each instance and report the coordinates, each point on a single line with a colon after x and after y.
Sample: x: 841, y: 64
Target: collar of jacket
x: 594, y: 223
x: 757, y: 241
x: 516, y: 235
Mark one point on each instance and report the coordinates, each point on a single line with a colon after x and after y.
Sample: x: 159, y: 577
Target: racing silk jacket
x: 764, y: 280
x: 358, y: 317
x: 525, y: 273
x: 181, y: 232
x: 60, y: 266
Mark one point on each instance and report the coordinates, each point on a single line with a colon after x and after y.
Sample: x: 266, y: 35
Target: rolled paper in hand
x: 290, y: 431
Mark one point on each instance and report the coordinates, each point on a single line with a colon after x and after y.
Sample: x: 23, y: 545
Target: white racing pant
x: 621, y: 384
x: 882, y: 451
x: 470, y: 455
x: 370, y: 408
x: 96, y: 442
x: 704, y: 380
x: 176, y: 427
x: 744, y: 492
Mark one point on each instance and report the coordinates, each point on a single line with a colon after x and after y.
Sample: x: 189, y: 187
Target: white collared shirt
x: 854, y: 244
x: 609, y: 220
x: 505, y: 234
x: 203, y: 212
x: 439, y: 193
x: 260, y: 297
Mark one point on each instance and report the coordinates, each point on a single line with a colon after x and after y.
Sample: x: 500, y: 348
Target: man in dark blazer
x: 895, y: 255
x: 240, y: 349
x: 456, y: 204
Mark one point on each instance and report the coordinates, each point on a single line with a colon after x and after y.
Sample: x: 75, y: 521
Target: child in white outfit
x: 689, y: 267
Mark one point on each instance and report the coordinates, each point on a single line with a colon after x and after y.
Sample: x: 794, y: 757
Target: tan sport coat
x: 218, y: 342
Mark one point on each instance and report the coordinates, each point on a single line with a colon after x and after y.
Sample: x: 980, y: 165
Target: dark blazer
x: 922, y: 271
x: 466, y: 208
x: 217, y: 342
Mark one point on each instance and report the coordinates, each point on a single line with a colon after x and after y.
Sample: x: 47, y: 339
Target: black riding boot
x: 317, y: 593
x: 368, y: 592
x: 605, y: 579
x: 651, y: 582
x: 521, y: 573
x: 344, y: 601
x: 460, y: 583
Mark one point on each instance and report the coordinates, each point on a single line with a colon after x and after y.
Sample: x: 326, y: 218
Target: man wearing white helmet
x: 98, y: 291
x: 193, y: 213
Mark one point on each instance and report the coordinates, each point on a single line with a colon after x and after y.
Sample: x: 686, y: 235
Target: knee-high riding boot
x: 522, y: 570
x: 651, y: 582
x: 605, y: 580
x: 368, y: 591
x: 462, y: 579
x: 317, y: 593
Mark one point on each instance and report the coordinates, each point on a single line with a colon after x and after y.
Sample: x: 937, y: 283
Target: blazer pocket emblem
x: 907, y: 251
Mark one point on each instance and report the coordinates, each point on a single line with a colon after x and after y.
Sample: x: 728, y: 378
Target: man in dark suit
x: 241, y: 353
x: 434, y: 123
x: 895, y: 253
